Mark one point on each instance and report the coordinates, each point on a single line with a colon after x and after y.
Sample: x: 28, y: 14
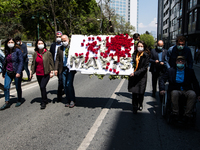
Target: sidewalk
x: 196, y: 65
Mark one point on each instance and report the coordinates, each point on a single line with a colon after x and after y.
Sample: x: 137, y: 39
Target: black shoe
x: 135, y: 109
x: 6, y: 105
x: 18, y: 104
x: 43, y: 105
x: 59, y: 100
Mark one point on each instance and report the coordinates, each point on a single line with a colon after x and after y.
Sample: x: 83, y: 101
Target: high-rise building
x: 179, y: 17
x: 128, y: 9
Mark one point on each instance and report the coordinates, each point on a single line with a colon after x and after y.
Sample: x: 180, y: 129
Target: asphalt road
x: 101, y: 120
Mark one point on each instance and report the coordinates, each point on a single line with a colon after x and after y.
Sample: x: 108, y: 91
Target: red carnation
x: 82, y: 44
x: 76, y: 54
x: 117, y: 72
x: 106, y: 67
x: 108, y: 64
x: 92, y: 38
x: 110, y: 69
x: 89, y: 38
x: 114, y: 70
x: 83, y: 40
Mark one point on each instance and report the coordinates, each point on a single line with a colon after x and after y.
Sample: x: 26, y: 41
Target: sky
x: 147, y: 16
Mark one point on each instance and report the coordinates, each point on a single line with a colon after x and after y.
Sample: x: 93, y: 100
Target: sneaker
x: 43, y: 105
x: 6, y: 105
x: 67, y: 105
x: 18, y: 104
x: 72, y: 104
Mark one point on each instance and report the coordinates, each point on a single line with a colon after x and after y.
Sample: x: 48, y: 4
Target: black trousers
x: 42, y: 81
x: 137, y: 99
x: 60, y: 86
x: 155, y: 77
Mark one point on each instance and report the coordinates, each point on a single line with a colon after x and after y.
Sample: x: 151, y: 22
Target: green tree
x: 148, y: 39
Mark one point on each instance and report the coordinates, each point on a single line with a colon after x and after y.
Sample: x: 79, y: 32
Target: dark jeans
x: 137, y: 99
x: 42, y: 81
x: 7, y: 82
x: 68, y: 79
x: 60, y: 86
x: 26, y: 69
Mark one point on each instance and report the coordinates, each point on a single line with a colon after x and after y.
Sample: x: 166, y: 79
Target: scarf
x: 138, y: 59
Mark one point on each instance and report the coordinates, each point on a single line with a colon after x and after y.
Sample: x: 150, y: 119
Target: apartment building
x: 179, y: 17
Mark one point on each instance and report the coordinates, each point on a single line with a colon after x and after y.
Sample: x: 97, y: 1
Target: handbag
x: 10, y: 73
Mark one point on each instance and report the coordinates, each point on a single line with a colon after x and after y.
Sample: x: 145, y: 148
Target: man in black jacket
x: 180, y: 50
x: 53, y: 50
x: 159, y: 63
x: 182, y: 82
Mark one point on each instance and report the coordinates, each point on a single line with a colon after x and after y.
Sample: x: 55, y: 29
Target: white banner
x: 101, y: 54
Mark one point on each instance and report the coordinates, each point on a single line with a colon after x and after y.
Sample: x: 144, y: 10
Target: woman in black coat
x: 138, y: 79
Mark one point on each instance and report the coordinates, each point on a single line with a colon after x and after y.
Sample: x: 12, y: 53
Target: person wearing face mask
x: 180, y: 50
x: 12, y: 69
x: 182, y: 82
x: 43, y: 66
x: 138, y: 79
x: 53, y: 49
x: 25, y: 55
x: 159, y: 63
x: 61, y: 68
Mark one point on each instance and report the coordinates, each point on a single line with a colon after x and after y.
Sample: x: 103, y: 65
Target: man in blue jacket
x: 180, y: 50
x: 182, y: 82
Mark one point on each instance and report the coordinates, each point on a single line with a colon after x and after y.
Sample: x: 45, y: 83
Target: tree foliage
x: 148, y: 39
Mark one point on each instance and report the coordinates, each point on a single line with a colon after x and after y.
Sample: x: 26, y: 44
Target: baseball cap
x: 59, y: 33
x: 180, y: 57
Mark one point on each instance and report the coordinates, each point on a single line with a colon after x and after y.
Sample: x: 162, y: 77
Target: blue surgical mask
x: 180, y: 47
x: 159, y: 47
x: 180, y: 66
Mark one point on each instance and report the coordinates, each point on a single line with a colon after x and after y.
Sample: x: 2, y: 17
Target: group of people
x: 173, y: 65
x: 45, y: 64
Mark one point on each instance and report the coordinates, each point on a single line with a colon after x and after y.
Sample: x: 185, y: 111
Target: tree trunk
x: 54, y: 15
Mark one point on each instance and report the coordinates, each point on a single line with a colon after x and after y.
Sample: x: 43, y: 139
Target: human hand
x: 157, y: 61
x: 162, y: 92
x: 55, y: 72
x: 162, y: 63
x: 132, y: 74
x: 51, y: 74
x: 17, y: 75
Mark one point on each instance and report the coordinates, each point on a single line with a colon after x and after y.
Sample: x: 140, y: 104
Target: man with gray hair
x: 53, y: 49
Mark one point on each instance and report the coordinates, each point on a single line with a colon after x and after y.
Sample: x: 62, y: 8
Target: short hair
x: 181, y: 39
x: 59, y: 33
x: 136, y: 35
x: 17, y: 38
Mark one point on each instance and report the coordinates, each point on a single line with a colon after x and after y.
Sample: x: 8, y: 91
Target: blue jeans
x: 26, y: 69
x: 7, y: 82
x: 68, y: 79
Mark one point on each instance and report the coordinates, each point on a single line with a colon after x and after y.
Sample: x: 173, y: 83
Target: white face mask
x: 18, y: 43
x: 140, y: 49
x: 11, y: 45
x: 58, y: 39
x: 41, y: 46
x: 65, y: 43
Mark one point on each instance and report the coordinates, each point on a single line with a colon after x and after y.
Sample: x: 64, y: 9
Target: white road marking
x: 89, y: 137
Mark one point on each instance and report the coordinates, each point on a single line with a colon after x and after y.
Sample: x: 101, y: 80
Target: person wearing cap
x: 180, y: 50
x: 182, y: 82
x: 53, y: 49
x: 25, y: 55
x: 159, y: 63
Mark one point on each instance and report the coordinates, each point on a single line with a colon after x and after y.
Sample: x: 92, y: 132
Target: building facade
x: 128, y: 9
x: 179, y: 17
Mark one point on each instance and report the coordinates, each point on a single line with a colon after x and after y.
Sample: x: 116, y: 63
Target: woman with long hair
x: 138, y: 79
x: 12, y: 69
x: 43, y: 66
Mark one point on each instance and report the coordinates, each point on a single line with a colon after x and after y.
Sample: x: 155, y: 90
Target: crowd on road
x: 173, y: 65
